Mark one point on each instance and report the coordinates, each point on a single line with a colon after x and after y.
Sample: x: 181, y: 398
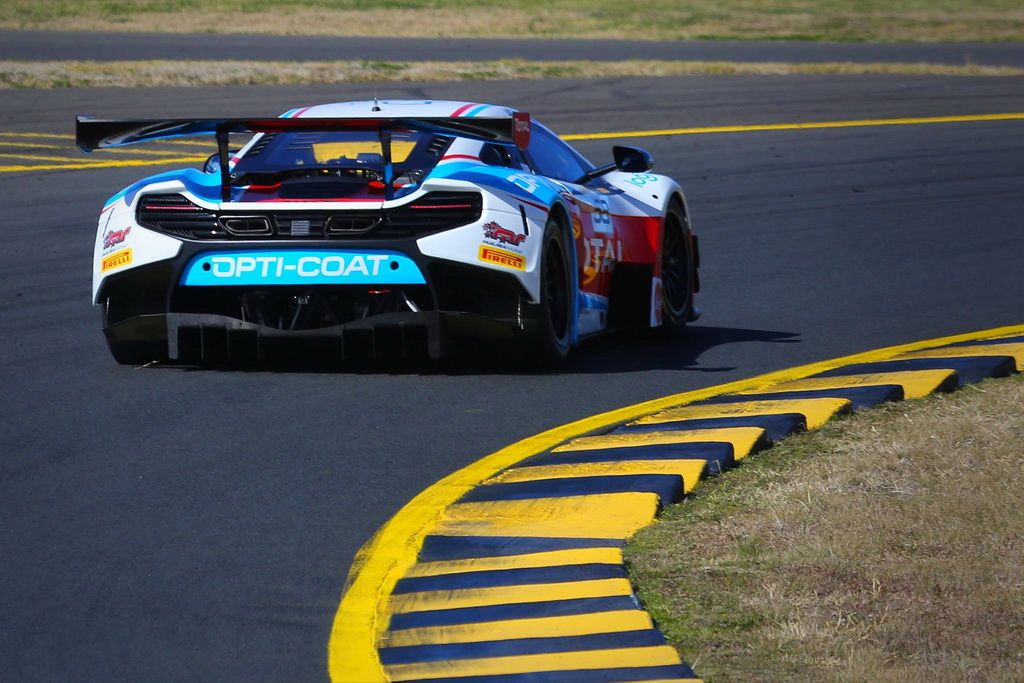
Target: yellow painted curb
x: 361, y: 615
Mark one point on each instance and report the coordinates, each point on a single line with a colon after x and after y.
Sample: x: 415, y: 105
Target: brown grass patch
x: 887, y: 546
x: 89, y: 74
x: 872, y: 20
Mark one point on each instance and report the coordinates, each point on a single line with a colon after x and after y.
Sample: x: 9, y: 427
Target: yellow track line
x: 100, y: 164
x: 1014, y: 116
x: 62, y: 136
x: 66, y: 136
x: 73, y: 149
x: 78, y: 160
x: 42, y: 157
x: 35, y: 145
x: 362, y: 614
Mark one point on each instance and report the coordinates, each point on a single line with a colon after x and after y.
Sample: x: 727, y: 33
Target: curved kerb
x: 511, y: 568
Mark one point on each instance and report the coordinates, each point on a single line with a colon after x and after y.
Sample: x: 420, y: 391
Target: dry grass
x: 88, y: 74
x: 888, y: 546
x: 875, y: 20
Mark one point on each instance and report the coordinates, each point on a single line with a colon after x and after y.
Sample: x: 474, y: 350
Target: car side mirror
x: 627, y: 159
x: 212, y: 163
x: 632, y: 159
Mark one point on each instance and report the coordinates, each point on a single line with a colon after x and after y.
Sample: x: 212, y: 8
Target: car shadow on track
x: 659, y: 350
x: 612, y: 353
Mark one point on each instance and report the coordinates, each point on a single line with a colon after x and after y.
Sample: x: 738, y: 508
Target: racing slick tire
x: 677, y: 270
x: 548, y: 324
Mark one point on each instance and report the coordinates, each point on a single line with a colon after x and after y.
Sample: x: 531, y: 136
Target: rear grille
x: 433, y: 212
x: 175, y: 214
x: 296, y: 225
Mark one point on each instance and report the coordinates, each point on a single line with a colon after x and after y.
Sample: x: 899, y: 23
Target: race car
x: 384, y: 228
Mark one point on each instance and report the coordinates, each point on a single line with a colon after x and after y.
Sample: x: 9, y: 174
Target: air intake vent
x: 175, y: 214
x: 260, y: 145
x: 438, y: 146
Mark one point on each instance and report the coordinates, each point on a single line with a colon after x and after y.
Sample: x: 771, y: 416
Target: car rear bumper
x: 192, y: 338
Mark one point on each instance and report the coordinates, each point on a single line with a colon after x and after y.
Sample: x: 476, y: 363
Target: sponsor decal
x: 114, y: 238
x: 599, y: 254
x: 497, y: 234
x: 334, y: 266
x: 306, y: 266
x: 116, y: 260
x: 577, y: 227
x: 502, y: 258
x: 521, y: 129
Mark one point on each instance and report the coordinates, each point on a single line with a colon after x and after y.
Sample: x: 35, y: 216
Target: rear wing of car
x: 92, y: 134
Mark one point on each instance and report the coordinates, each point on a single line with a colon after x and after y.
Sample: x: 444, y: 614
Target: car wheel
x: 676, y: 270
x: 549, y: 326
x: 131, y: 351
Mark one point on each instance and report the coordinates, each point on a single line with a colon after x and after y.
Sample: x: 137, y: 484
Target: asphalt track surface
x: 59, y: 45
x: 173, y: 524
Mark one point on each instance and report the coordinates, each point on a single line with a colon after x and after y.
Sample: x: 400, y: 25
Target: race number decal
x: 602, y: 217
x: 642, y: 179
x: 524, y: 181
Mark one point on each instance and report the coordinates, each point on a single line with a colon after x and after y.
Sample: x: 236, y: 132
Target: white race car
x: 381, y: 229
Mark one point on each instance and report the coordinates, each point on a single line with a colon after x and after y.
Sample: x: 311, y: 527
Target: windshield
x: 351, y: 157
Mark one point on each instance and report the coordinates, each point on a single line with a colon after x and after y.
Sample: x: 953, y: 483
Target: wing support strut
x: 384, y: 134
x: 222, y: 136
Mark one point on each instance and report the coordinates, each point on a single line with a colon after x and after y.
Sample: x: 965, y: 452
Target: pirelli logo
x: 116, y: 260
x: 502, y: 257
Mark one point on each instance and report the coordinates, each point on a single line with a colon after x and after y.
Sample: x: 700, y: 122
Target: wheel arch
x: 679, y: 199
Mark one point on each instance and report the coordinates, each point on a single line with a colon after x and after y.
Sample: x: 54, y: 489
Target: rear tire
x: 677, y: 272
x: 548, y: 324
x: 135, y: 351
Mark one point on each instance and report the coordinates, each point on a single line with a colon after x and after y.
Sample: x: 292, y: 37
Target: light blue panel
x: 301, y: 267
x: 593, y: 302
